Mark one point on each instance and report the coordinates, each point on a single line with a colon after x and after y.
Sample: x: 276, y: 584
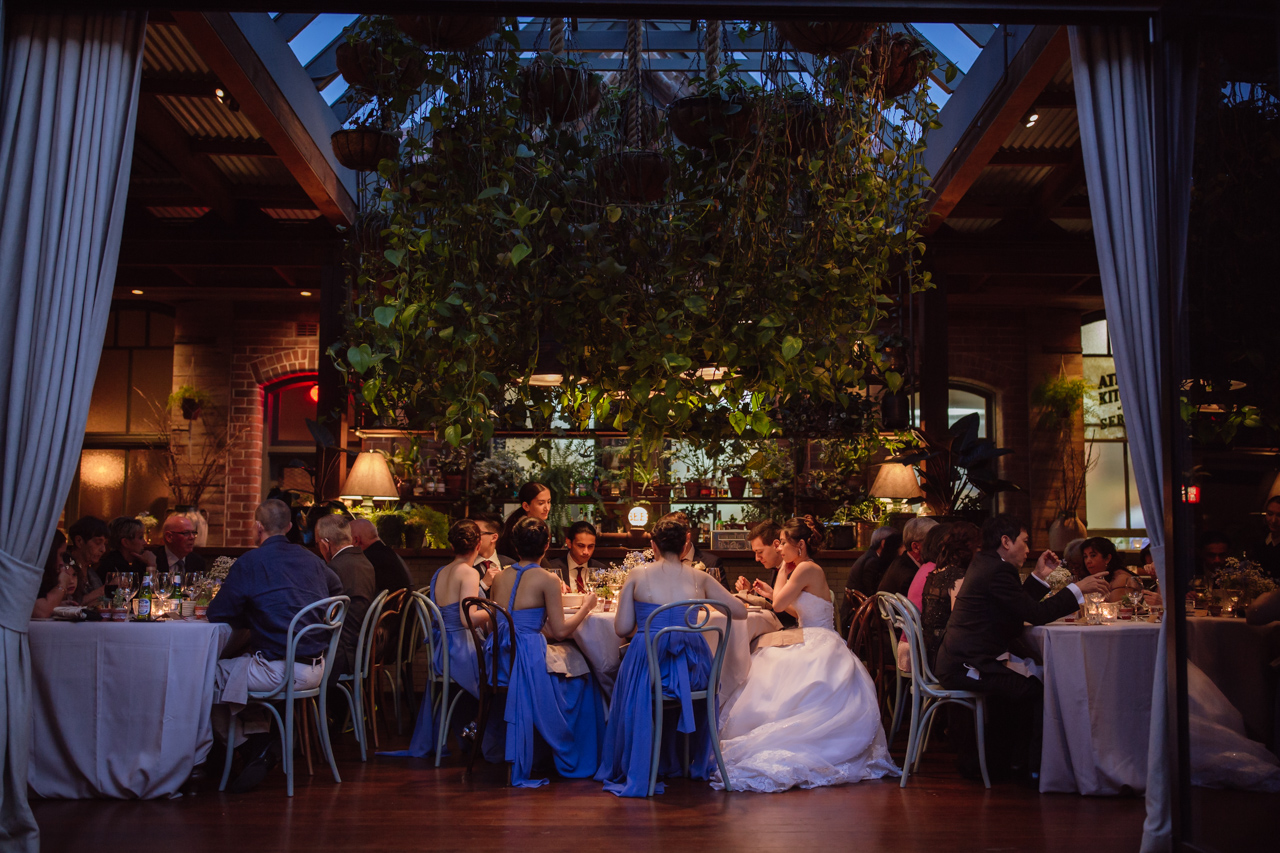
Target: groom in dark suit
x: 576, y: 567
x: 987, y: 616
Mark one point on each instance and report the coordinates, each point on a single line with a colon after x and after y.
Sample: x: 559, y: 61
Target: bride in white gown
x: 808, y: 715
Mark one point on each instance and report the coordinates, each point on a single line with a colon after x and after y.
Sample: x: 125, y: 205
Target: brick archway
x: 272, y: 356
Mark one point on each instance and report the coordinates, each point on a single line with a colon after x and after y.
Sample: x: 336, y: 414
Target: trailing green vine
x: 759, y: 282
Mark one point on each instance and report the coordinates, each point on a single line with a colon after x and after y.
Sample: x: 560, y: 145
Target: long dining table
x: 1097, y: 705
x: 120, y: 709
x: 602, y: 646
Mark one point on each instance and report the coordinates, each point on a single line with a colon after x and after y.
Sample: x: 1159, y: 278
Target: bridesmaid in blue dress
x: 449, y: 585
x: 685, y: 662
x: 568, y: 713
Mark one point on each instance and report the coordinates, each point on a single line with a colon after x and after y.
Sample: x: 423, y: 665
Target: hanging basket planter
x: 810, y: 127
x: 363, y: 148
x: 650, y: 125
x: 825, y: 38
x: 635, y: 177
x: 709, y: 122
x: 557, y: 92
x: 900, y: 62
x: 365, y: 66
x: 447, y: 32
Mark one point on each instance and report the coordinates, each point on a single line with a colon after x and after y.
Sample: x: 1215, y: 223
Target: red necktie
x: 581, y: 586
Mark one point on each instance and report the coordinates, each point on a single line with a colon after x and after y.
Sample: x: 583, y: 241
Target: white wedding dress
x: 807, y: 716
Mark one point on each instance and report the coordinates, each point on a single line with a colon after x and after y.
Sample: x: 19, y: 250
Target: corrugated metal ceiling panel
x: 1057, y: 128
x: 209, y: 118
x: 168, y: 50
x: 253, y: 171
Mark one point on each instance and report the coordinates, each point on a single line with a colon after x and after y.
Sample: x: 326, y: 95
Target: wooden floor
x: 404, y: 804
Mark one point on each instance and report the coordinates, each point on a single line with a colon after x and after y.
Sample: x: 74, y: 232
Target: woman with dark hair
x: 451, y: 584
x: 808, y: 715
x: 58, y: 582
x: 684, y: 660
x: 567, y: 711
x: 929, y: 562
x: 86, y: 544
x: 535, y: 501
x: 126, y: 549
x: 941, y: 587
x: 1100, y: 559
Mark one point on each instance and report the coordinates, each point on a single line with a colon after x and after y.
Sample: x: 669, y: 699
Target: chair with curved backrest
x: 927, y: 695
x: 430, y: 624
x: 384, y: 655
x: 698, y: 609
x: 353, y: 684
x: 853, y: 599
x: 329, y: 613
x: 902, y: 678
x: 411, y: 640
x: 488, y: 669
x: 865, y: 639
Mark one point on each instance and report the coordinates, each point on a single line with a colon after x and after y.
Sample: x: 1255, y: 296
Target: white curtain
x: 68, y: 99
x: 1128, y: 145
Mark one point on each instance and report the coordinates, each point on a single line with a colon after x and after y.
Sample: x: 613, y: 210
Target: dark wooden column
x: 331, y: 409
x: 935, y: 365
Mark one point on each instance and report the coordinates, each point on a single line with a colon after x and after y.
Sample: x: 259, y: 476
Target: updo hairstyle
x: 669, y: 535
x: 530, y: 538
x: 464, y: 535
x: 805, y: 529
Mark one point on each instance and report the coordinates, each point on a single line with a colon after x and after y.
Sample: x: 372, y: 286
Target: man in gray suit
x: 333, y: 538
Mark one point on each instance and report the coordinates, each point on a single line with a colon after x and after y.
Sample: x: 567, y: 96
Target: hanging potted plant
x: 1060, y: 400
x: 898, y: 61
x: 825, y: 38
x: 807, y: 126
x: 448, y: 32
x: 191, y: 400
x: 376, y: 58
x: 558, y: 91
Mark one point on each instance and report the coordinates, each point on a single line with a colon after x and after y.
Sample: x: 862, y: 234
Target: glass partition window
x: 1111, y: 493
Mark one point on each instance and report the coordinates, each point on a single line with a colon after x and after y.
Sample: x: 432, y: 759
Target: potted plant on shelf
x: 433, y: 524
x: 1060, y: 401
x: 494, y: 480
x: 957, y: 468
x: 452, y: 462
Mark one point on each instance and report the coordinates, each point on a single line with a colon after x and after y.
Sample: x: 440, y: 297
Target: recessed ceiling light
x: 306, y: 293
x: 136, y: 292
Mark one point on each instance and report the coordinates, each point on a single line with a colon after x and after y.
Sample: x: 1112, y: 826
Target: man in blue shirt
x: 263, y: 591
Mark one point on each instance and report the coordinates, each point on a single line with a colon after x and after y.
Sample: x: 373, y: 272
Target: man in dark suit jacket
x: 575, y: 568
x: 333, y: 538
x: 178, y: 553
x: 488, y: 561
x: 389, y: 571
x: 897, y: 578
x: 987, y: 616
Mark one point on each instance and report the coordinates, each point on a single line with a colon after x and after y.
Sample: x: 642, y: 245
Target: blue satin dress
x: 567, y: 712
x: 462, y: 669
x: 685, y: 663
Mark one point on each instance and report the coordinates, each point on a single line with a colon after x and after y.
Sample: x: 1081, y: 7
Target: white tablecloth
x: 602, y: 647
x: 1097, y: 705
x: 120, y: 709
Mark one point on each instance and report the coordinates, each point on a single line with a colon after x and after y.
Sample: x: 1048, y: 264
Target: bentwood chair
x: 355, y: 684
x: 315, y: 619
x: 902, y: 678
x: 489, y: 670
x: 384, y: 655
x: 411, y: 643
x: 928, y: 695
x: 866, y: 640
x: 429, y: 623
x: 697, y: 621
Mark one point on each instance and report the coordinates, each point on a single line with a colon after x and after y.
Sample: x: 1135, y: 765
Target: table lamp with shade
x: 370, y: 480
x: 896, y: 483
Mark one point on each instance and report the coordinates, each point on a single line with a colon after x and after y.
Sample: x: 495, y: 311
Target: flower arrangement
x: 1058, y: 580
x: 1244, y: 577
x: 612, y: 577
x: 220, y: 567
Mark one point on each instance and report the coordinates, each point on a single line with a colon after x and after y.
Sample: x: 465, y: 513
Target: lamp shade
x: 896, y: 482
x: 370, y: 477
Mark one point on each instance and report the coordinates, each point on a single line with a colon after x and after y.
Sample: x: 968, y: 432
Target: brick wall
x: 1006, y: 352
x: 232, y: 352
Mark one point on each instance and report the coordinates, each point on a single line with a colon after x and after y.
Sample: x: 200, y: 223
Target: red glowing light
x: 314, y: 393
x: 1191, y: 494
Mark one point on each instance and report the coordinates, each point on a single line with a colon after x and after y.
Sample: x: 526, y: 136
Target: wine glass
x: 160, y: 588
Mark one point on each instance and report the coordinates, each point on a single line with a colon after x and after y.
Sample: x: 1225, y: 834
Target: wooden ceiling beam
x: 1034, y: 157
x: 232, y: 147
x: 163, y: 133
x: 1056, y: 258
x: 280, y: 249
x: 1013, y: 91
x: 259, y: 83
